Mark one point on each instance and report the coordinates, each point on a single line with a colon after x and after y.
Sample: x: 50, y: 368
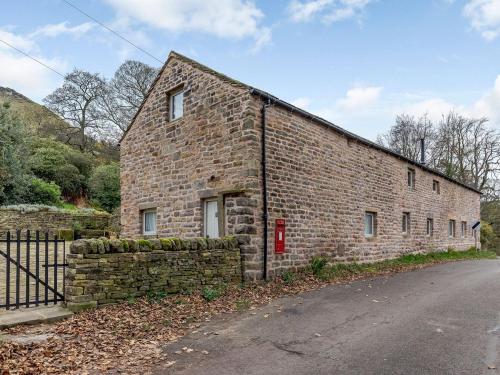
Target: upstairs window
x: 149, y: 222
x: 176, y: 105
x: 411, y: 178
x: 430, y: 227
x: 464, y: 229
x: 406, y: 223
x: 451, y: 228
x: 435, y: 187
x: 370, y: 224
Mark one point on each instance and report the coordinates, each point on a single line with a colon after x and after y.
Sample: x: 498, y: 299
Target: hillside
x: 35, y: 116
x: 45, y: 123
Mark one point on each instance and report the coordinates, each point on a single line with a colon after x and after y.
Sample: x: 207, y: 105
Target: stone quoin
x: 192, y: 165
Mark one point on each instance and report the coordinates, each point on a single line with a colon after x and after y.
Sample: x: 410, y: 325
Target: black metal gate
x: 32, y: 274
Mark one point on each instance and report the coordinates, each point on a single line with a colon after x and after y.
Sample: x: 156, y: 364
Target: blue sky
x: 357, y: 63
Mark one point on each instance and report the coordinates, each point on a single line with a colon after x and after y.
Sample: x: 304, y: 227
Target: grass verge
x: 320, y: 268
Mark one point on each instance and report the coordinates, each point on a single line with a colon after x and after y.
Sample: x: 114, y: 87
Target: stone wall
x: 102, y: 271
x: 322, y: 183
x: 50, y: 219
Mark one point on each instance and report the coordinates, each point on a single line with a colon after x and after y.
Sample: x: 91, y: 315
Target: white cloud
x: 328, y: 11
x: 484, y: 17
x: 54, y: 30
x: 302, y: 102
x: 359, y: 98
x: 23, y: 74
x: 489, y: 104
x: 234, y: 19
x: 434, y: 108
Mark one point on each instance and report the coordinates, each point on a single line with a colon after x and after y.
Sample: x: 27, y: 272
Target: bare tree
x: 76, y: 101
x: 125, y: 93
x: 404, y: 137
x: 462, y: 148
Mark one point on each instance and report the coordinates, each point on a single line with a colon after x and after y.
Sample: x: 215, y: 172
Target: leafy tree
x: 67, y: 167
x: 14, y: 171
x: 104, y: 186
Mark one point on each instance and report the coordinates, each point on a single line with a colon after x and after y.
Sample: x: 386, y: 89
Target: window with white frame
x: 411, y: 178
x: 430, y: 227
x: 451, y: 228
x: 405, y: 227
x: 211, y: 218
x: 370, y: 224
x: 149, y: 222
x: 176, y: 105
x: 464, y: 229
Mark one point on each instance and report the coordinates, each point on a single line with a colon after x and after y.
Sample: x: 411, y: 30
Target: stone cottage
x: 207, y: 155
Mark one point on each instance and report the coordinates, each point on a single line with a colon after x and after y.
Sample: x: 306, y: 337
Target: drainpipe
x: 264, y: 184
x: 422, y: 150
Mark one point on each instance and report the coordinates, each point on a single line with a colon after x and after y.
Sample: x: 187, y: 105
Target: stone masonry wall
x: 102, y: 271
x: 212, y: 151
x: 50, y: 220
x: 322, y: 184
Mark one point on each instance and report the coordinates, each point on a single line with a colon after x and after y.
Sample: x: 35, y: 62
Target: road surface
x: 443, y: 319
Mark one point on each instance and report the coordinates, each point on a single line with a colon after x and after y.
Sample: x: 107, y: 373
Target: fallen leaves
x: 128, y: 337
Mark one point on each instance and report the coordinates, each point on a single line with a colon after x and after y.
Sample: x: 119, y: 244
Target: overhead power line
x: 111, y: 30
x: 32, y: 58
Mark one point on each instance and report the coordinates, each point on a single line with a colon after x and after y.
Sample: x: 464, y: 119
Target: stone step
x: 33, y: 315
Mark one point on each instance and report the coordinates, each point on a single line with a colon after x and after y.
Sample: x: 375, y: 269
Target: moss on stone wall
x: 102, y: 271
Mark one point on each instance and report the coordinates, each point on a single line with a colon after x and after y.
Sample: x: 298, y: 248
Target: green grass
x: 343, y: 270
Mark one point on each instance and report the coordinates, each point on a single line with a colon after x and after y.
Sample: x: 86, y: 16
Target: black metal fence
x: 32, y: 272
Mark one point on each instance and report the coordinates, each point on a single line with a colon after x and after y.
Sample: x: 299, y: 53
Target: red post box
x: 279, y: 241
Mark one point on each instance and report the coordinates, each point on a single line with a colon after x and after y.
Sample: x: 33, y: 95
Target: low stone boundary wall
x: 51, y: 219
x: 102, y: 271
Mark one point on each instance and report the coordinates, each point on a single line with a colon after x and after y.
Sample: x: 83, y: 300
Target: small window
x: 451, y: 228
x: 211, y: 219
x: 149, y: 222
x: 406, y: 223
x: 370, y: 224
x: 464, y: 229
x: 176, y: 105
x: 435, y: 187
x: 430, y: 227
x: 411, y: 178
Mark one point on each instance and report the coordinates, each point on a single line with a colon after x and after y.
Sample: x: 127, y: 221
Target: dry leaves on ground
x: 128, y: 337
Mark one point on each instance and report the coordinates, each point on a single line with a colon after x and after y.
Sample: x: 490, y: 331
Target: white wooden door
x: 211, y: 219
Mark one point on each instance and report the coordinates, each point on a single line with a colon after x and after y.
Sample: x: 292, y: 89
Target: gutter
x: 271, y: 99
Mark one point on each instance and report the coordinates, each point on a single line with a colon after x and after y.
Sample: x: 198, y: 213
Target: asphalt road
x: 443, y: 319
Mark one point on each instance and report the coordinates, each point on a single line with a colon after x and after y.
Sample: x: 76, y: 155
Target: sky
x: 357, y: 63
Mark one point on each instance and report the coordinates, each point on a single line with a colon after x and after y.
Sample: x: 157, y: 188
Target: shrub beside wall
x: 102, y: 271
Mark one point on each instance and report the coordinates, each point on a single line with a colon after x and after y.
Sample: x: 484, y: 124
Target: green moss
x: 145, y: 245
x: 126, y: 247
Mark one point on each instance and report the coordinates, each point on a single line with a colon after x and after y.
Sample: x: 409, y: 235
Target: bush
x: 318, y: 264
x: 487, y: 236
x: 51, y: 164
x: 43, y: 192
x: 211, y: 294
x: 104, y: 186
